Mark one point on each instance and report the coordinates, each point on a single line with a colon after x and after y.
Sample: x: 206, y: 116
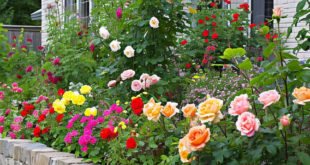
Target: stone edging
x: 25, y: 152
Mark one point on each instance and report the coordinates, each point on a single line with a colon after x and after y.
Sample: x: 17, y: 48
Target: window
x: 80, y: 8
x: 84, y: 11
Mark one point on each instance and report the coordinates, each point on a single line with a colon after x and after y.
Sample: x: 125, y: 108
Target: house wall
x: 288, y: 7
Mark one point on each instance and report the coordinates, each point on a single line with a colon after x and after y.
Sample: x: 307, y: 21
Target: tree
x: 22, y: 11
x: 6, y: 12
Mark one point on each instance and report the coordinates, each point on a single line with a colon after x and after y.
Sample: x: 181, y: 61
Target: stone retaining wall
x: 25, y: 152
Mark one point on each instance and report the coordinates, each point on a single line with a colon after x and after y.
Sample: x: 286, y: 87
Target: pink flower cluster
x: 7, y: 111
x: 1, y: 95
x: 71, y: 121
x: 45, y: 111
x: 29, y: 68
x: 68, y: 138
x: 15, y: 127
x: 2, y: 119
x: 25, y: 103
x: 41, y: 98
x: 12, y: 134
x: 18, y: 119
x: 209, y: 48
x: 16, y: 89
x: 144, y: 82
x: 86, y: 137
x: 29, y: 125
x: 56, y: 61
x: 1, y: 129
x: 36, y: 113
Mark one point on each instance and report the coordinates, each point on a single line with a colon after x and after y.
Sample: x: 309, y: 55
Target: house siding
x: 288, y: 8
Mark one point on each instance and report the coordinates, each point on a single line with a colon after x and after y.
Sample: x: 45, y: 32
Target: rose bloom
x: 85, y: 89
x: 197, y: 138
x: 154, y: 23
x: 188, y: 65
x: 259, y: 58
x: 269, y: 97
x: 247, y: 124
x: 285, y: 120
x: 136, y: 85
x: 131, y: 143
x: 104, y: 33
x: 277, y: 12
x: 115, y: 45
x: 205, y: 33
x: 302, y: 95
x: 210, y: 111
x: 236, y: 15
x: 183, y: 42
x: 154, y: 79
x: 239, y: 105
x: 214, y: 36
x: 111, y: 83
x: 146, y: 83
x: 200, y: 21
x: 152, y: 110
x: 183, y: 151
x: 129, y: 52
x: 127, y: 74
x: 170, y: 109
x: 189, y: 110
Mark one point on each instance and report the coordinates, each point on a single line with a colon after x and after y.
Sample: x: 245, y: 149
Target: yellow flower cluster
x: 91, y: 111
x: 59, y: 106
x: 78, y: 99
x: 85, y: 89
x: 123, y: 125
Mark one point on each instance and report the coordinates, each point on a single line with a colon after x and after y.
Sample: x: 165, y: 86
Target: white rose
x: 104, y: 33
x: 154, y: 23
x: 129, y: 51
x: 115, y: 46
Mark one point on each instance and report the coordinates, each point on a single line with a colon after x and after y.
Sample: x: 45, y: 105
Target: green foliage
x: 6, y: 12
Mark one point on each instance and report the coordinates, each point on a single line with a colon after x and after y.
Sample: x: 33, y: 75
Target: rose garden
x: 148, y: 83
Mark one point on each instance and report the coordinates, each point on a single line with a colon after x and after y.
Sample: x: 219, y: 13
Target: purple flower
x: 119, y: 13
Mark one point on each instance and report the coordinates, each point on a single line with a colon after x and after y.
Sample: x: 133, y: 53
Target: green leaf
x: 303, y: 157
x: 281, y: 112
x: 294, y: 65
x: 153, y: 146
x: 304, y: 75
x: 229, y: 53
x: 252, y: 139
x: 300, y: 13
x: 246, y: 65
x: 295, y: 139
x: 264, y: 63
x: 160, y: 90
x: 289, y: 31
x: 163, y: 157
x: 139, y: 50
x: 301, y: 5
x: 264, y: 30
x: 269, y: 49
x: 288, y: 56
x: 271, y: 149
x: 265, y: 130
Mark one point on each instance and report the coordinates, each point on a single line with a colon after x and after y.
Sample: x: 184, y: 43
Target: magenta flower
x: 1, y: 129
x: 12, y: 134
x: 15, y: 128
x: 7, y: 111
x: 23, y: 136
x: 92, y: 47
x: 18, y: 119
x: 29, y: 68
x: 29, y: 125
x: 259, y: 58
x: 35, y: 113
x: 119, y: 13
x: 2, y: 119
x: 74, y: 133
x: 56, y: 61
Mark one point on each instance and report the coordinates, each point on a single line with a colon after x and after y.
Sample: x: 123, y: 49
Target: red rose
x: 275, y: 36
x: 234, y: 20
x: 214, y: 24
x: 265, y: 23
x: 137, y: 111
x: 14, y: 37
x: 200, y: 21
x: 213, y: 16
x: 183, y: 42
x: 214, y: 36
x: 205, y: 33
x: 79, y: 33
x: 137, y: 103
x: 213, y: 4
x: 113, y: 135
x: 188, y: 65
x: 245, y: 5
x: 59, y: 78
x: 131, y: 143
x: 46, y: 130
x: 207, y: 18
x: 252, y: 25
x: 29, y: 107
x: 240, y: 28
x: 105, y: 133
x: 206, y: 40
x: 246, y: 9
x: 50, y: 105
x: 41, y: 118
x: 19, y: 76
x: 61, y: 92
x: 29, y: 40
x: 51, y: 110
x: 227, y: 1
x: 236, y: 15
x: 131, y: 122
x: 204, y: 61
x: 40, y: 47
x: 59, y: 117
x: 24, y: 113
x: 268, y: 36
x: 37, y: 132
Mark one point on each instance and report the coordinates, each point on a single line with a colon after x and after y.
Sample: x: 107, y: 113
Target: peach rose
x: 127, y: 74
x: 112, y: 83
x: 210, y: 111
x: 152, y: 110
x: 154, y: 79
x: 285, y: 120
x: 239, y: 105
x: 136, y: 85
x: 197, y: 138
x: 302, y: 94
x: 189, y: 110
x: 247, y: 124
x: 269, y: 97
x: 170, y: 109
x: 183, y: 151
x: 277, y: 12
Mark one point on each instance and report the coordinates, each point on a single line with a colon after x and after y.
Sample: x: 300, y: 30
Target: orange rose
x: 152, y: 110
x: 183, y: 151
x: 189, y: 110
x: 170, y: 109
x: 210, y: 111
x: 302, y: 94
x: 197, y: 138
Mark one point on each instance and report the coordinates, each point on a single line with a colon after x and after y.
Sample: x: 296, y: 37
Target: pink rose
x: 154, y: 79
x: 269, y: 97
x: 144, y: 76
x: 259, y: 58
x: 7, y: 111
x: 29, y: 125
x: 239, y: 105
x: 146, y: 83
x: 127, y: 74
x: 247, y: 124
x: 111, y: 83
x: 18, y: 119
x: 15, y: 85
x: 2, y: 119
x: 1, y: 129
x: 136, y: 85
x: 285, y: 120
x: 277, y: 12
x: 25, y: 103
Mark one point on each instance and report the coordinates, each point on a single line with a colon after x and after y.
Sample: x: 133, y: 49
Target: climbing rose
x: 105, y: 133
x: 29, y: 40
x: 214, y: 24
x: 206, y: 40
x: 213, y: 16
x: 19, y: 76
x: 204, y: 61
x: 131, y: 143
x: 92, y: 47
x: 259, y: 58
x: 252, y: 25
x: 234, y: 20
x: 24, y: 113
x: 188, y: 65
x: 41, y: 118
x: 59, y: 117
x: 275, y: 36
x: 205, y: 33
x: 207, y: 18
x: 183, y: 42
x: 37, y: 132
x: 46, y: 130
x: 213, y: 4
x: 61, y: 92
x: 240, y: 28
x: 119, y: 13
x: 214, y: 36
x: 268, y: 36
x: 29, y: 68
x: 236, y: 15
x: 40, y: 47
x: 200, y: 21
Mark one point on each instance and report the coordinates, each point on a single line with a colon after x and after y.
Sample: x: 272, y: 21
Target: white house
x: 262, y: 10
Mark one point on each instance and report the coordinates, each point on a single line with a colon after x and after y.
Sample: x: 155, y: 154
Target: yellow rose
x: 91, y: 111
x: 78, y: 100
x: 59, y: 106
x: 302, y: 94
x: 68, y: 95
x: 170, y: 109
x: 65, y: 101
x: 152, y: 110
x: 85, y: 89
x: 210, y: 111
